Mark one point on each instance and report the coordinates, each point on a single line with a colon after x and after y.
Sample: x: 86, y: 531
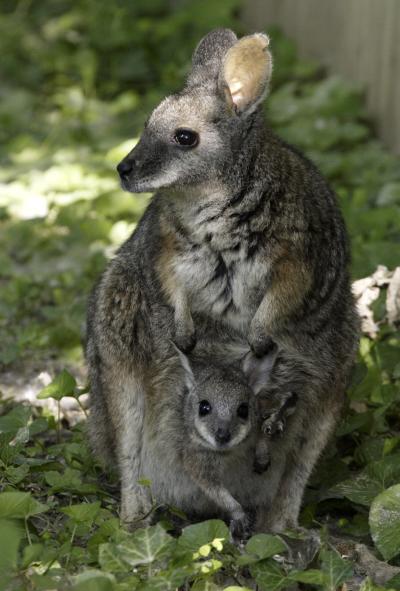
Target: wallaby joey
x: 200, y: 434
x: 244, y: 239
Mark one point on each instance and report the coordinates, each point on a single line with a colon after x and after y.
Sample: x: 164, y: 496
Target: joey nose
x: 222, y: 436
x: 125, y: 167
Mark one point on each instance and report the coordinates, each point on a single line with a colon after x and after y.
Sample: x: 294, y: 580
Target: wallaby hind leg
x: 274, y: 409
x: 99, y: 426
x: 206, y: 476
x: 126, y: 404
x: 305, y: 446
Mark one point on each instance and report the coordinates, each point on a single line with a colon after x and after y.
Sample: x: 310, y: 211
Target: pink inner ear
x: 236, y: 88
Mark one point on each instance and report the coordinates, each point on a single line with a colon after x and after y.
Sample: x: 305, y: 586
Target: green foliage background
x: 78, y: 80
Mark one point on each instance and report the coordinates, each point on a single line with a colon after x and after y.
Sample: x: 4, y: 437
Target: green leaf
x: 16, y: 419
x: 110, y: 559
x: 265, y: 545
x: 336, y: 570
x: 394, y: 582
x: 83, y: 512
x: 269, y: 576
x: 361, y: 489
x: 63, y: 385
x: 144, y: 546
x: 15, y: 474
x: 310, y: 577
x: 14, y: 505
x: 171, y: 580
x: 368, y: 585
x: 10, y: 537
x: 71, y: 480
x: 200, y: 534
x: 94, y: 580
x: 32, y: 553
x: 384, y: 522
x: 261, y: 546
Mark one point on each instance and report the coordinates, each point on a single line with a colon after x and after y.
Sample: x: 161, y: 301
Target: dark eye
x: 243, y: 411
x: 204, y: 408
x: 186, y: 138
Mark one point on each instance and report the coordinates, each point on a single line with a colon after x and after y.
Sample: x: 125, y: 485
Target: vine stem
x: 28, y: 535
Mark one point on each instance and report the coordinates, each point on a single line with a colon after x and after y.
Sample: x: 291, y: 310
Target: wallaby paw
x: 240, y: 529
x: 260, y: 465
x: 185, y: 342
x: 274, y: 425
x: 262, y: 345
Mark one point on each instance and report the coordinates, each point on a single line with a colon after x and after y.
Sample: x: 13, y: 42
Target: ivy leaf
x: 110, y: 559
x: 17, y: 505
x: 63, y: 385
x: 269, y: 576
x: 168, y: 581
x: 361, y: 489
x: 142, y: 547
x: 94, y: 580
x: 310, y: 577
x: 146, y: 545
x: 200, y: 534
x: 384, y: 522
x: 336, y: 570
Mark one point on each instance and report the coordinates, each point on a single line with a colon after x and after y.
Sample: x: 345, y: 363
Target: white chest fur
x: 219, y: 276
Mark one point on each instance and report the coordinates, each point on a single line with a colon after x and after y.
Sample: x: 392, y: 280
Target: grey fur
x: 244, y: 238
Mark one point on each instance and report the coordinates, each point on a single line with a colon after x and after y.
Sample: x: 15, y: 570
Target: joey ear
x: 185, y: 363
x: 246, y: 72
x: 257, y: 370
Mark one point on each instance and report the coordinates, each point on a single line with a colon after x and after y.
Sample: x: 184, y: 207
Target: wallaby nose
x: 222, y: 435
x: 125, y: 167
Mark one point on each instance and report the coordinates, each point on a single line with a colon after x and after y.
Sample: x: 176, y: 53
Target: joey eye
x: 186, y: 138
x: 204, y: 408
x: 243, y: 411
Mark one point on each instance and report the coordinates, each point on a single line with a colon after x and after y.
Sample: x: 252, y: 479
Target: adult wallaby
x: 244, y: 239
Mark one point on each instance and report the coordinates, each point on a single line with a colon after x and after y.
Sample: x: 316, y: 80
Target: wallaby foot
x: 261, y: 344
x: 135, y: 508
x: 261, y: 465
x: 185, y: 340
x: 240, y: 528
x: 274, y: 423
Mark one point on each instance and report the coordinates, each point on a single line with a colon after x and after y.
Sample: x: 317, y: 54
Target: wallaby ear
x: 257, y: 370
x: 208, y: 55
x: 185, y: 363
x: 246, y: 72
x: 213, y: 47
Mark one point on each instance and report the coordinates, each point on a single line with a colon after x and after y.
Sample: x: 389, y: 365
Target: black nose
x: 125, y: 167
x: 222, y: 436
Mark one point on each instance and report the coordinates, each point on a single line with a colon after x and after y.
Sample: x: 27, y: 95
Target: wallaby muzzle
x: 140, y: 169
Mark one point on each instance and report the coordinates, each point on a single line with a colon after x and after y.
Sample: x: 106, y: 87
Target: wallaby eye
x: 186, y: 138
x: 204, y: 408
x: 243, y: 411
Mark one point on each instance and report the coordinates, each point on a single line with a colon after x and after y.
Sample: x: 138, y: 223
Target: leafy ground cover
x: 78, y: 79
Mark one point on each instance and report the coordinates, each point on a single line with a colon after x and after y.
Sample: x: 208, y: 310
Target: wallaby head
x: 220, y: 403
x: 192, y: 136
